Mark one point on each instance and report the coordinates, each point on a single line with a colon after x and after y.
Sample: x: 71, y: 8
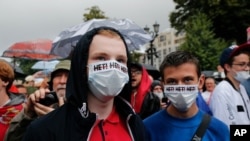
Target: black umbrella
x: 153, y: 71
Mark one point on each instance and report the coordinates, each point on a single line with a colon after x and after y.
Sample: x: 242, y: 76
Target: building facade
x: 167, y: 41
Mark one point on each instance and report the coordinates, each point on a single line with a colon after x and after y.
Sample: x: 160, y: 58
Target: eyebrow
x: 184, y: 78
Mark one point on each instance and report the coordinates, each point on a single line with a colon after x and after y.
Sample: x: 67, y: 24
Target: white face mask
x: 181, y: 96
x: 159, y: 94
x: 107, y: 78
x: 242, y: 76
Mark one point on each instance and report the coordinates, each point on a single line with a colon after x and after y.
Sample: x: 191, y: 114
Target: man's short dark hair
x: 178, y: 58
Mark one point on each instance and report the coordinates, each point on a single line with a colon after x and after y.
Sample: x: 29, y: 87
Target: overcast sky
x: 23, y: 20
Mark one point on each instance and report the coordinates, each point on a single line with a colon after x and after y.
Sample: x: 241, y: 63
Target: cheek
x: 138, y: 78
x: 55, y: 83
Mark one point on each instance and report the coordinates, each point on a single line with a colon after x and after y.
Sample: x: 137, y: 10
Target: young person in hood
x: 181, y: 76
x: 143, y: 101
x: 98, y: 94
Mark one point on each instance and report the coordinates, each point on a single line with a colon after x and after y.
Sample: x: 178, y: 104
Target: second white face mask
x: 242, y: 76
x: 181, y: 96
x: 107, y: 79
x: 159, y: 94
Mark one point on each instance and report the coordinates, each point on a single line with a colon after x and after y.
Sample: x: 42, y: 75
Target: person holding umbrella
x: 98, y: 94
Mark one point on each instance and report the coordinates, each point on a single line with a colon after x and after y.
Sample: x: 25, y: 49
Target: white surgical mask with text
x: 181, y: 96
x: 107, y: 78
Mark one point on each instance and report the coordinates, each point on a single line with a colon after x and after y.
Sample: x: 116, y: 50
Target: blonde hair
x: 109, y: 33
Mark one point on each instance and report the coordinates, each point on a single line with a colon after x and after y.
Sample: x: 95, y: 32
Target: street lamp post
x: 152, y: 50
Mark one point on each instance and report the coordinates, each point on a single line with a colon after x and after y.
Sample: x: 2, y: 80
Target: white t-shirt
x: 206, y: 96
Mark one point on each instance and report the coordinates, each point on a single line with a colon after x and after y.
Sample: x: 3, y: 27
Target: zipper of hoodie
x: 133, y: 104
x: 92, y: 128
x: 129, y: 130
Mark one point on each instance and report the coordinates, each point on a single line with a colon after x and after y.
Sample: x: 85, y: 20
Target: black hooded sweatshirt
x: 67, y: 123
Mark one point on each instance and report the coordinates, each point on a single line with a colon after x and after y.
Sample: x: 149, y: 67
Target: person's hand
x: 163, y: 105
x: 42, y: 110
x: 33, y: 107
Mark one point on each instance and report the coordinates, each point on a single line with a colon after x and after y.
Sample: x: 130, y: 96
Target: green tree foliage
x: 135, y: 56
x: 229, y: 18
x: 25, y: 65
x: 94, y: 12
x: 201, y: 41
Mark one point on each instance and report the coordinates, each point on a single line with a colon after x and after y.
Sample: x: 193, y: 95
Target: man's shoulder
x: 218, y: 125
x: 223, y: 86
x: 155, y: 117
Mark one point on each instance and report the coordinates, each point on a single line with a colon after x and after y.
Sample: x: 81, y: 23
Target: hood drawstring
x: 83, y: 110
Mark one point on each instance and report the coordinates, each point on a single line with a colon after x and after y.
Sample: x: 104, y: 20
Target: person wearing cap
x: 10, y: 103
x: 158, y: 90
x: 29, y: 81
x: 229, y: 101
x: 32, y: 111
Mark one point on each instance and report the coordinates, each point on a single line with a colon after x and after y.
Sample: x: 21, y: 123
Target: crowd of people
x: 100, y: 94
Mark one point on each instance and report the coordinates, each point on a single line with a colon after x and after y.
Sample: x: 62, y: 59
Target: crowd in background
x: 149, y: 109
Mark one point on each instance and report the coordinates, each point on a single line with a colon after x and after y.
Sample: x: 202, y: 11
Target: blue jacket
x: 202, y: 104
x: 161, y: 126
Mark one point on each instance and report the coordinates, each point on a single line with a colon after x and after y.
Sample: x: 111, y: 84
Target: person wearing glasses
x: 229, y: 101
x: 143, y: 100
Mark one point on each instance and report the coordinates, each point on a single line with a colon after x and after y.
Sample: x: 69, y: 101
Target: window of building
x: 162, y: 38
x: 164, y: 51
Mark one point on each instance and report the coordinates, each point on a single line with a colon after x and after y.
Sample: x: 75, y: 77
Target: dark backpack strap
x: 202, y: 128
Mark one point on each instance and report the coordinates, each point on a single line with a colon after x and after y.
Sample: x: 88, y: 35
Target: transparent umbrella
x: 134, y: 35
x: 45, y: 65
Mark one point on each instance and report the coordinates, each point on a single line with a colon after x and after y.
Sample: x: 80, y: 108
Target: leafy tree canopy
x: 201, y: 41
x: 94, y: 13
x: 25, y: 65
x: 229, y: 18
